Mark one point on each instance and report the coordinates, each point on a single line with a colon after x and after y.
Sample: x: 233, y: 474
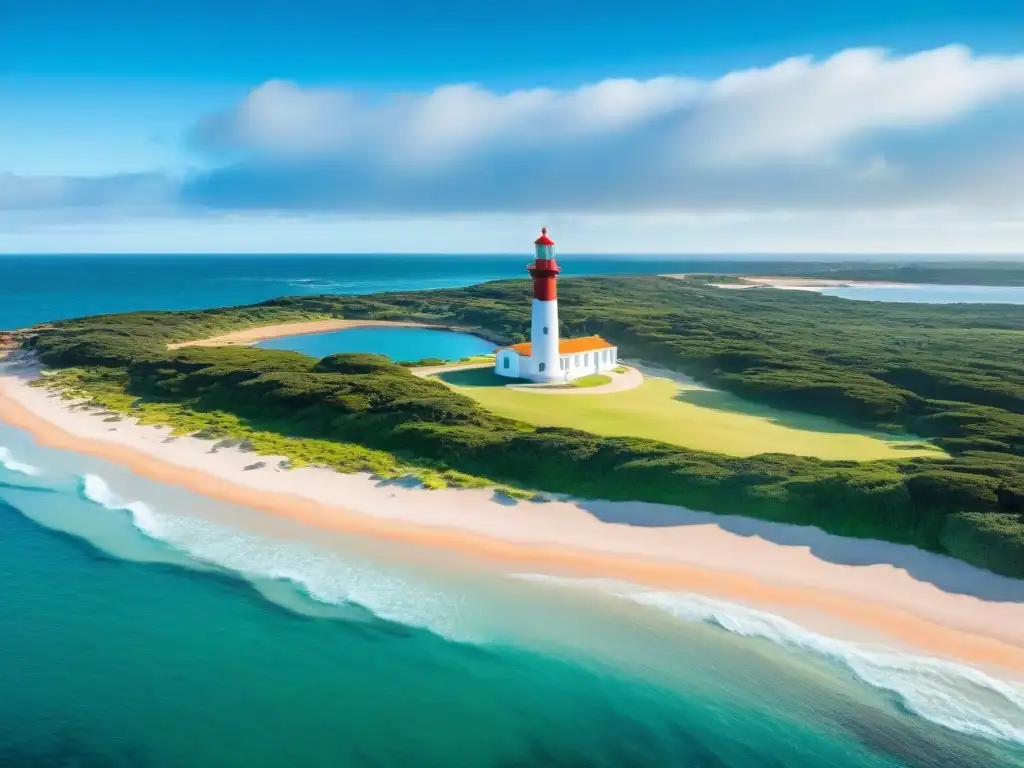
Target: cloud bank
x: 864, y: 129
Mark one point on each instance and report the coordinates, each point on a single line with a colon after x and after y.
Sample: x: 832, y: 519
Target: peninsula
x: 950, y: 375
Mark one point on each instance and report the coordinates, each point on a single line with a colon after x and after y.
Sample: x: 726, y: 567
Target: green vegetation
x: 437, y: 362
x: 593, y: 380
x: 426, y: 362
x: 687, y: 416
x: 951, y: 373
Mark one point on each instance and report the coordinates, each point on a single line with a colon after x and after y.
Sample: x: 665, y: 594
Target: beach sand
x: 914, y: 599
x: 248, y: 336
x: 795, y: 283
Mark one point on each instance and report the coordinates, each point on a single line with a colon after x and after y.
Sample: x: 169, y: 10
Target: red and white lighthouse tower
x: 544, y: 326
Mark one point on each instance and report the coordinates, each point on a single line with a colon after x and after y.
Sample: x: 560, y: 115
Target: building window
x: 576, y: 360
x: 507, y: 362
x: 541, y: 367
x: 586, y: 359
x: 545, y: 330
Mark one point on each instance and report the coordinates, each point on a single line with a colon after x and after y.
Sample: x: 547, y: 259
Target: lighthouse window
x: 541, y: 367
x: 545, y: 330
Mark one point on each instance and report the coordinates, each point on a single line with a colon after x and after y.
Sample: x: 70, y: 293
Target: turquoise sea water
x: 400, y: 344
x: 35, y: 289
x: 142, y: 625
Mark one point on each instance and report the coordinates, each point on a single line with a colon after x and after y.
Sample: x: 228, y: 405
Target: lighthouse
x: 544, y: 323
x: 545, y: 358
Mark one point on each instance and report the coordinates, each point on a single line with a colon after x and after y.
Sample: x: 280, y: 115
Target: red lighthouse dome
x: 544, y: 269
x: 543, y: 239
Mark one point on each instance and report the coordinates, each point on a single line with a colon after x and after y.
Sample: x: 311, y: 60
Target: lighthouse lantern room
x: 546, y: 358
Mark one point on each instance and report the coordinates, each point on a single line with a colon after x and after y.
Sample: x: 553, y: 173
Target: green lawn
x: 593, y: 380
x: 688, y: 416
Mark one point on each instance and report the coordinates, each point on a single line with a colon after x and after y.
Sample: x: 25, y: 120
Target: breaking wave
x: 952, y: 695
x: 324, y: 576
x: 8, y: 461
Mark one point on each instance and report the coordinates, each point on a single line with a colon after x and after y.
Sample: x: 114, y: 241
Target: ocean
x: 142, y: 625
x: 35, y: 289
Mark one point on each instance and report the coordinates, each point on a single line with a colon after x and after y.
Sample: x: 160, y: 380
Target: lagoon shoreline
x: 953, y: 610
x: 251, y: 336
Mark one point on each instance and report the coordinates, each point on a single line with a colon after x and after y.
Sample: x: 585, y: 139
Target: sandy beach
x: 795, y: 283
x: 915, y: 599
x: 248, y: 336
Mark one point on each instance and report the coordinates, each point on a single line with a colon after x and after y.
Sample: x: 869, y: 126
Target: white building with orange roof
x: 546, y: 358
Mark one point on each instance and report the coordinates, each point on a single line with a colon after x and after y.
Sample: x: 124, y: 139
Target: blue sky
x: 407, y: 126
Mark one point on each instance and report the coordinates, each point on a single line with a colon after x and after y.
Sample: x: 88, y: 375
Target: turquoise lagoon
x: 403, y: 344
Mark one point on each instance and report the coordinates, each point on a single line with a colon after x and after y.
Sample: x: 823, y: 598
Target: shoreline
x: 646, y: 544
x: 797, y: 283
x: 820, y: 282
x: 249, y: 336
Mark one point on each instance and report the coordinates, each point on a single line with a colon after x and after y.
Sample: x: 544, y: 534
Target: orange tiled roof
x: 566, y: 346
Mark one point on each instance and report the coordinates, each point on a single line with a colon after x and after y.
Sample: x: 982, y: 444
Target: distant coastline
x: 745, y: 281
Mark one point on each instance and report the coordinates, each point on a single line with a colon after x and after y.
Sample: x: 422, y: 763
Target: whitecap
x: 324, y: 576
x: 8, y: 461
x: 952, y: 695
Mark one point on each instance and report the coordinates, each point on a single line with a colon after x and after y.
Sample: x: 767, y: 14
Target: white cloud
x: 281, y: 117
x: 802, y: 109
x: 845, y: 153
x: 799, y: 109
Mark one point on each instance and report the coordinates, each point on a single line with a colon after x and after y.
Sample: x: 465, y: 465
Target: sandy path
x: 931, y: 603
x: 620, y: 382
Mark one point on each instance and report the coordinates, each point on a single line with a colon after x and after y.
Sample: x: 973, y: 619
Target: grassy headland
x: 687, y: 416
x: 951, y: 373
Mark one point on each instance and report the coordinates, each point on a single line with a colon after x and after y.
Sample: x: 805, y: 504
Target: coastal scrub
x: 949, y: 373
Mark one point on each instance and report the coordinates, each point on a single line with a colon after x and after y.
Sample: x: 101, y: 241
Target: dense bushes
x: 947, y: 372
x: 349, y: 362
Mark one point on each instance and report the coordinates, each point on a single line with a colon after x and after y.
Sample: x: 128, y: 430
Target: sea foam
x: 325, y: 576
x: 953, y: 695
x: 8, y: 461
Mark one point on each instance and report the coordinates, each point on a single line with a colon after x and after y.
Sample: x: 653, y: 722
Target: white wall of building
x: 566, y: 367
x: 585, y: 363
x: 507, y: 363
